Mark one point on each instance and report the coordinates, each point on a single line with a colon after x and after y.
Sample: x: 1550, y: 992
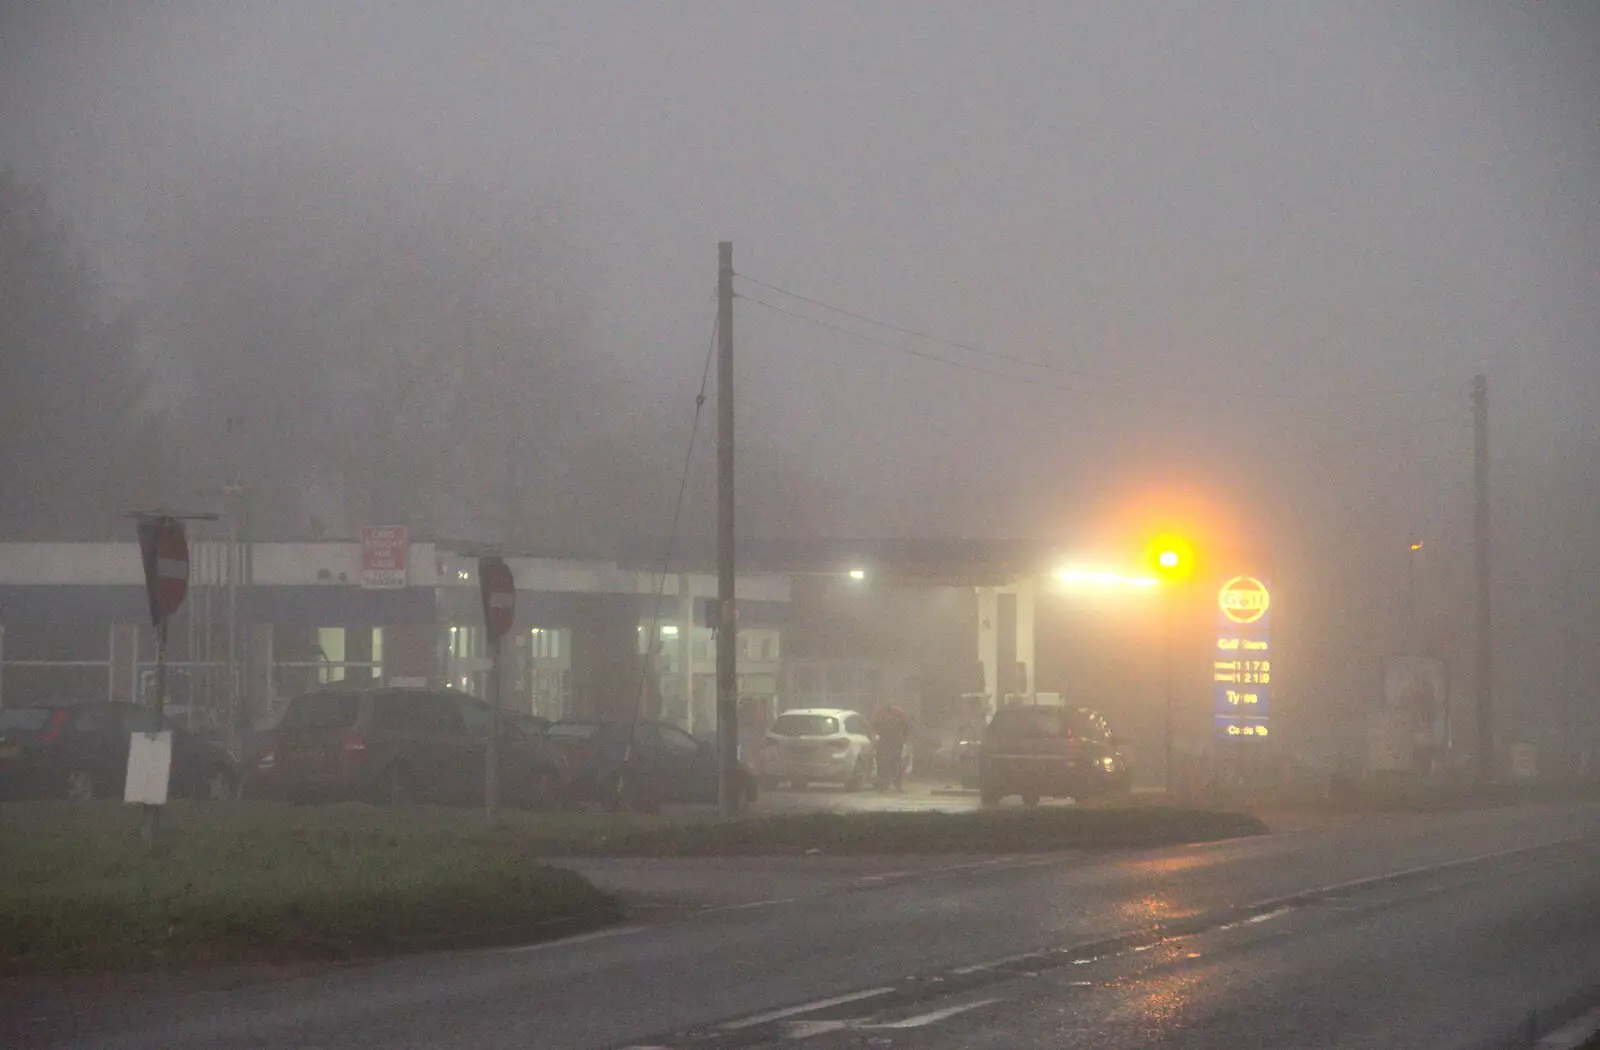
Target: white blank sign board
x: 149, y: 767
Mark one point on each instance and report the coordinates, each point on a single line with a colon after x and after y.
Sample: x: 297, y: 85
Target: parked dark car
x: 531, y: 725
x: 80, y: 752
x: 1050, y: 752
x: 394, y: 747
x: 639, y: 765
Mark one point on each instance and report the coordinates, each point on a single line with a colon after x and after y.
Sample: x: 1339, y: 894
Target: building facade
x: 263, y: 623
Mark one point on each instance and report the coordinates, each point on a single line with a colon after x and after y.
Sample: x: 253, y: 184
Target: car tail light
x: 58, y: 721
x: 840, y: 744
x: 355, y: 744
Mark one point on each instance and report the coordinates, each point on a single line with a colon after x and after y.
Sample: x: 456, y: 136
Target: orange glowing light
x: 1171, y: 556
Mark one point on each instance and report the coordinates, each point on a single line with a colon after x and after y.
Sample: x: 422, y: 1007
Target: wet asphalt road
x: 1260, y: 942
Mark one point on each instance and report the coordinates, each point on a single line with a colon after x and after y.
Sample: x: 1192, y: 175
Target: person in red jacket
x: 893, y: 729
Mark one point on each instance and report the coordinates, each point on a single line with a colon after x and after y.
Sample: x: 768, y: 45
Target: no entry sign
x: 166, y: 565
x: 499, y: 596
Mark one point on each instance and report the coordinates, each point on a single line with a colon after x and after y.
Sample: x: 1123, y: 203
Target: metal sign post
x: 499, y: 591
x: 164, y: 549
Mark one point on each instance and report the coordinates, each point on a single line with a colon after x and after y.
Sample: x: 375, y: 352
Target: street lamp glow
x: 1171, y: 557
x: 858, y: 574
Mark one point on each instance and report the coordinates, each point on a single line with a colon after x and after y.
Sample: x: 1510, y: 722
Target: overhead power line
x: 914, y: 352
x: 1168, y: 398
x: 677, y: 513
x: 1144, y: 387
x: 968, y: 347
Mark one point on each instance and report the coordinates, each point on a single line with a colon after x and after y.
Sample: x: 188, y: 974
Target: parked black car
x: 395, y: 747
x: 530, y: 725
x: 1048, y: 751
x: 639, y: 765
x: 80, y: 752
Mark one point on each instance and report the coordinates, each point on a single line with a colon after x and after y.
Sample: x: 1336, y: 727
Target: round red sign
x: 166, y: 565
x: 499, y: 591
x: 172, y: 568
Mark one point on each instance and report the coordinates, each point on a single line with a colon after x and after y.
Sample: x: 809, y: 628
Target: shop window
x: 330, y: 652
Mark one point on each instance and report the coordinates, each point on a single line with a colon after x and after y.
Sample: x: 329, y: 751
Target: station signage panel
x: 1241, y: 660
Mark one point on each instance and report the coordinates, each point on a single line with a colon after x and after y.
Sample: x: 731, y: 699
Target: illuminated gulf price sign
x: 1241, y: 662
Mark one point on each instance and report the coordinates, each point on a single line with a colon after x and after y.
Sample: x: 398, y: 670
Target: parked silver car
x: 818, y: 744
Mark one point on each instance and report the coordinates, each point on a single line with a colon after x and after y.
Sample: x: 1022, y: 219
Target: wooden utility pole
x: 498, y: 589
x: 730, y: 795
x: 1483, y: 675
x: 491, y: 754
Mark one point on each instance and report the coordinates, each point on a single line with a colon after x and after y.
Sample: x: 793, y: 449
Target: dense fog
x: 1222, y: 269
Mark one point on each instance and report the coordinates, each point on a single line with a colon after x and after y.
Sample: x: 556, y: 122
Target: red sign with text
x: 383, y: 556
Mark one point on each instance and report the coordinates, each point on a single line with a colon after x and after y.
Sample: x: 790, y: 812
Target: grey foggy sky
x: 1243, y: 215
x: 1286, y: 198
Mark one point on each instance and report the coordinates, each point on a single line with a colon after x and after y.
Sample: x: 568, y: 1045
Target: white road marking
x: 991, y: 864
x: 807, y: 1029
x: 988, y: 867
x: 597, y: 935
x: 1573, y: 1035
x: 990, y: 964
x: 929, y: 1018
x: 804, y: 1008
x: 1266, y: 915
x: 751, y: 904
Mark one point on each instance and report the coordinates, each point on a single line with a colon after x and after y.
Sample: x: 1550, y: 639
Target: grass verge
x: 259, y: 882
x: 245, y: 884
